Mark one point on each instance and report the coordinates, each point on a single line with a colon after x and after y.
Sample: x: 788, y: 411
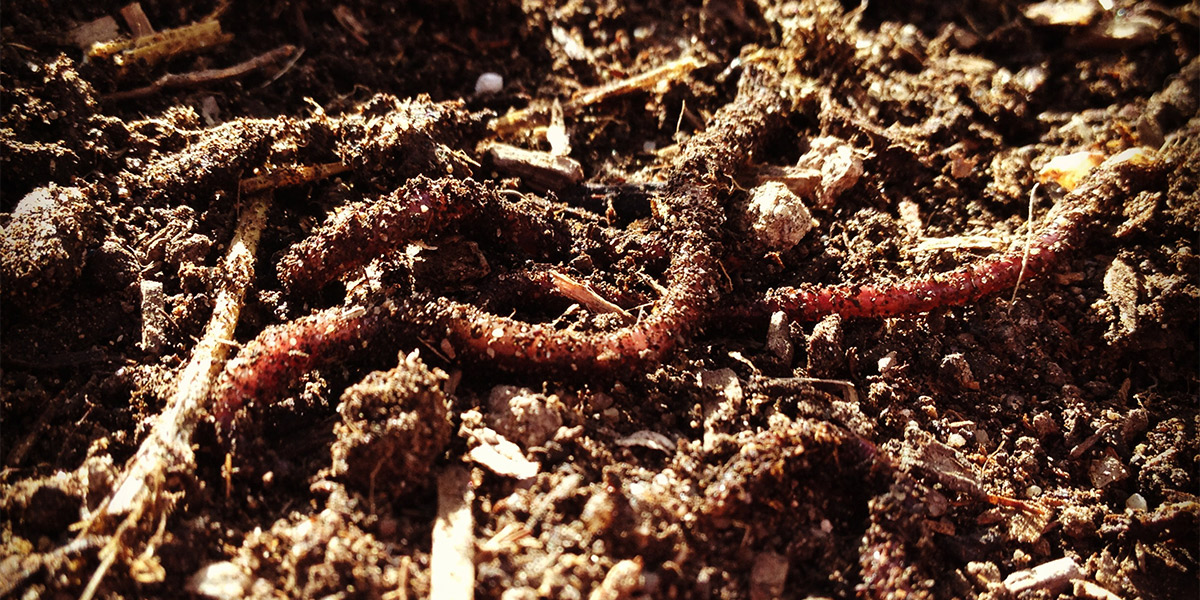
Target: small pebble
x: 956, y: 440
x: 887, y: 363
x: 779, y: 216
x: 489, y: 83
x: 220, y: 580
x: 1033, y: 491
x: 1136, y: 502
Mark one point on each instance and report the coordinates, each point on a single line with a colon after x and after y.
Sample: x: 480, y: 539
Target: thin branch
x: 207, y: 76
x: 139, y: 494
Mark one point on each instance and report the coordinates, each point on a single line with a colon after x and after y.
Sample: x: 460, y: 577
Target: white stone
x: 780, y: 218
x: 221, y: 580
x: 489, y: 83
x: 1136, y: 502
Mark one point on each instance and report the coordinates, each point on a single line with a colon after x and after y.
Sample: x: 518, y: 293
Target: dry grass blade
x: 152, y: 49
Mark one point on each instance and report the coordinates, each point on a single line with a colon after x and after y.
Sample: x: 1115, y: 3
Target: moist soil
x: 931, y: 454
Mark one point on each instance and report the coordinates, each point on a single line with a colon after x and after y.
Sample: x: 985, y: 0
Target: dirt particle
x: 778, y: 216
x: 524, y: 416
x: 394, y: 426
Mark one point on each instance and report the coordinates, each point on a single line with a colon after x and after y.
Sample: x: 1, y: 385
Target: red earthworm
x: 268, y: 364
x: 265, y: 368
x: 463, y: 329
x: 810, y: 302
x: 424, y: 208
x: 690, y: 212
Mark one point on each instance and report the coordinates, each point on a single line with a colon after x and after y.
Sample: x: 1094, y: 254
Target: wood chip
x: 648, y: 439
x: 1062, y: 12
x: 1053, y: 577
x: 1070, y: 170
x: 501, y: 456
x: 1091, y: 591
x: 136, y: 19
x: 542, y: 171
x: 154, y: 316
x: 1122, y: 283
x: 584, y: 294
x: 452, y: 558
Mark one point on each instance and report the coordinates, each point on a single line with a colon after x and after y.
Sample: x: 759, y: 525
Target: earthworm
x: 810, y: 302
x: 266, y: 366
x: 424, y: 208
x: 692, y: 217
x: 690, y: 212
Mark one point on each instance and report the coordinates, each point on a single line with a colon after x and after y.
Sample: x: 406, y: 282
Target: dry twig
x: 290, y: 175
x: 140, y: 495
x: 152, y: 49
x: 452, y: 558
x: 521, y: 119
x: 207, y: 76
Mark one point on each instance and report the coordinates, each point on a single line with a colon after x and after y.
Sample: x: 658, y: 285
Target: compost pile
x: 607, y: 300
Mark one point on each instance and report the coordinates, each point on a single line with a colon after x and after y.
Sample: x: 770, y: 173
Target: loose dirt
x: 939, y: 455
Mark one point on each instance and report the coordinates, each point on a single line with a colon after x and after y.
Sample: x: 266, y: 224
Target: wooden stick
x: 290, y: 175
x: 452, y: 558
x: 521, y: 119
x: 207, y: 76
x: 139, y: 493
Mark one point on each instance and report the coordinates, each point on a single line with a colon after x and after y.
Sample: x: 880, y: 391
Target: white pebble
x: 1033, y: 491
x: 220, y: 580
x: 780, y: 217
x: 956, y: 440
x: 489, y: 83
x: 1136, y: 502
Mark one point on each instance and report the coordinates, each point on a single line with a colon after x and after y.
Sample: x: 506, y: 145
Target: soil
x: 933, y: 454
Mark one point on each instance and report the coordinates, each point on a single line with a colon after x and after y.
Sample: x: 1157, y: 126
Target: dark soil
x: 932, y: 455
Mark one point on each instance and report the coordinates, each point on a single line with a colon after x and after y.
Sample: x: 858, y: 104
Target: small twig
x: 15, y: 569
x: 1028, y: 244
x: 207, y: 76
x: 136, y: 18
x: 521, y: 119
x: 151, y: 49
x: 672, y: 70
x: 168, y: 448
x: 452, y: 558
x: 290, y: 175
